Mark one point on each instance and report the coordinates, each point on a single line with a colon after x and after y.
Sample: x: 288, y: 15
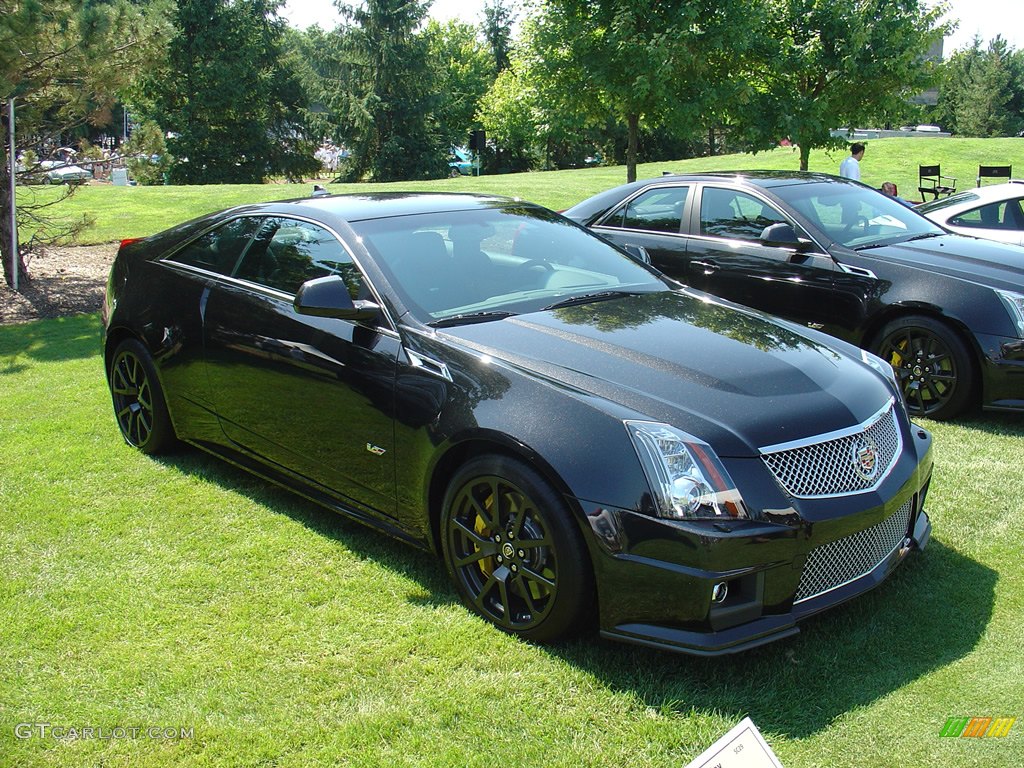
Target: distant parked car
x: 56, y: 172
x: 995, y: 212
x: 460, y: 163
x: 946, y: 311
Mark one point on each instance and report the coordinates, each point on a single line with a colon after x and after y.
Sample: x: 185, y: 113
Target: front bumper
x: 718, y: 587
x: 769, y: 628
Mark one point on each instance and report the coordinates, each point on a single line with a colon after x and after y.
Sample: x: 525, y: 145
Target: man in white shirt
x: 850, y: 167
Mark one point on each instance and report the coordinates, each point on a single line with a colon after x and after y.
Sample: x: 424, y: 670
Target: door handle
x: 707, y: 267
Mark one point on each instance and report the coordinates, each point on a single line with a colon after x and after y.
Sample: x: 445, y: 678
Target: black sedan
x: 575, y: 435
x: 946, y: 311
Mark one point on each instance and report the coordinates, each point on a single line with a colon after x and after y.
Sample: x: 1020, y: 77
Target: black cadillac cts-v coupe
x: 575, y: 434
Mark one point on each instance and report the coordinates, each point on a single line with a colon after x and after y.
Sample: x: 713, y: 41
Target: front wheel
x: 513, y: 551
x: 932, y: 365
x: 138, y: 399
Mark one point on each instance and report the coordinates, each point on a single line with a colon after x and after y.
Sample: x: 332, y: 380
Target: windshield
x: 856, y: 216
x: 472, y: 266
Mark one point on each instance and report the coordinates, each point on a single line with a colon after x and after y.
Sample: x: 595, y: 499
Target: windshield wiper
x: 587, y: 298
x: 924, y: 236
x: 470, y: 318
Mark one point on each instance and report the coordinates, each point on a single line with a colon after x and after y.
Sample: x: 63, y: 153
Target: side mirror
x: 783, y: 235
x: 329, y: 297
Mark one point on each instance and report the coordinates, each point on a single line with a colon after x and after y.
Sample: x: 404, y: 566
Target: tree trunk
x: 711, y: 142
x: 5, y: 230
x: 805, y: 155
x: 633, y: 122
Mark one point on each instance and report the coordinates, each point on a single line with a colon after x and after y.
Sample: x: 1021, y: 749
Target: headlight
x: 1014, y: 303
x: 687, y: 479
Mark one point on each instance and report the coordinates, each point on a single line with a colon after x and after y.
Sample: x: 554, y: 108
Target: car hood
x: 988, y: 262
x: 732, y: 377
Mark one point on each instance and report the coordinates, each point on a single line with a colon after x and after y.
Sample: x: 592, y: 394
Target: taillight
x: 129, y: 241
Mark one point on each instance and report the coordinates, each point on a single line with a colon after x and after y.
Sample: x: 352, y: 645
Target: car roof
x: 974, y: 196
x: 761, y: 178
x: 361, y: 206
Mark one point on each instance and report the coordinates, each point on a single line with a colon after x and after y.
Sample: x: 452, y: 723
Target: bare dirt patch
x: 62, y: 281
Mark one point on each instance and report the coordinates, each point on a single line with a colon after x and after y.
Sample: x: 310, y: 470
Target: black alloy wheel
x: 512, y: 550
x: 138, y: 399
x: 932, y: 365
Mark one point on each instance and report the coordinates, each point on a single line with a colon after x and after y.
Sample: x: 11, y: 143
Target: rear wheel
x: 513, y: 551
x: 933, y: 366
x: 138, y: 398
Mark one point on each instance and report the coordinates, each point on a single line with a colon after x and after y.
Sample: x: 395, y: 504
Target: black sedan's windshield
x: 856, y: 216
x: 473, y: 266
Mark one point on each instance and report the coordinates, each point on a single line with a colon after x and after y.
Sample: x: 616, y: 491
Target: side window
x: 992, y: 216
x: 286, y: 253
x: 218, y: 251
x: 659, y: 210
x: 736, y: 215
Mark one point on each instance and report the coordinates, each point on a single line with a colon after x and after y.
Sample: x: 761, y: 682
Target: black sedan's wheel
x: 933, y: 366
x: 513, y: 551
x: 139, y: 400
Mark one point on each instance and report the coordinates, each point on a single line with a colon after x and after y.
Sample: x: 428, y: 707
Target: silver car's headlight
x: 1014, y: 303
x: 686, y: 477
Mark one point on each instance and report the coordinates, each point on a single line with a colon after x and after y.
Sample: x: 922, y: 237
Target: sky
x: 986, y: 18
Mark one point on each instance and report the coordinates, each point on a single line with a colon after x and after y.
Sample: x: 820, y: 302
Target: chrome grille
x: 839, y: 562
x: 836, y: 464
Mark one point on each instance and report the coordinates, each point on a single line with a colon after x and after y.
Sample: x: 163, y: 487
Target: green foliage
x: 661, y: 64
x: 385, y: 93
x: 230, y: 97
x: 462, y: 72
x: 497, y: 31
x: 147, y: 157
x: 510, y: 113
x: 64, y: 62
x: 982, y: 90
x: 821, y: 64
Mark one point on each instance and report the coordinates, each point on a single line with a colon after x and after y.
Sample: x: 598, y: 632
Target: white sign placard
x: 742, y: 747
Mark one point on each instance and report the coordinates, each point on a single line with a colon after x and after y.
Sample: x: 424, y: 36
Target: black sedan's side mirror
x: 329, y: 297
x: 783, y: 235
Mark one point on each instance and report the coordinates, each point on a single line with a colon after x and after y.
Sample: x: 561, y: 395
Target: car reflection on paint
x: 579, y: 439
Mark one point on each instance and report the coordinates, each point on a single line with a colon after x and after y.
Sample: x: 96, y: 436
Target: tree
x: 385, y: 95
x: 821, y: 64
x: 982, y: 90
x: 462, y: 72
x: 497, y: 31
x: 659, y: 64
x: 230, y: 99
x: 63, y: 63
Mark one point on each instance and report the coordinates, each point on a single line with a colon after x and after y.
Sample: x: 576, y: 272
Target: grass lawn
x: 120, y: 212
x: 181, y: 593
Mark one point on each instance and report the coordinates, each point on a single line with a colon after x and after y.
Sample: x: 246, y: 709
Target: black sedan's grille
x: 853, y: 461
x: 839, y: 562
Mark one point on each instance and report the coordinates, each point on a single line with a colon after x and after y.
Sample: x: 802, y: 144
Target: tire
x: 933, y: 366
x: 138, y: 399
x: 520, y: 563
x: 454, y: 173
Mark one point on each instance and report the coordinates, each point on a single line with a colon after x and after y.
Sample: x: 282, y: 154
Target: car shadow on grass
x: 932, y: 611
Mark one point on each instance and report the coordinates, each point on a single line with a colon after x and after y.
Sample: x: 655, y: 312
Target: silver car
x: 994, y: 212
